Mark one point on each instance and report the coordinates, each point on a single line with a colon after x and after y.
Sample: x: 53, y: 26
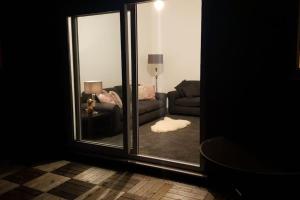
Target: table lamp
x: 93, y: 88
x: 155, y: 60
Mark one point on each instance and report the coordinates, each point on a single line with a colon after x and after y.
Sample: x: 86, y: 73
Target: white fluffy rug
x: 169, y: 124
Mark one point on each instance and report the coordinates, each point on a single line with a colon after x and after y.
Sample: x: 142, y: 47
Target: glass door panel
x: 127, y: 65
x: 168, y: 55
x: 99, y: 82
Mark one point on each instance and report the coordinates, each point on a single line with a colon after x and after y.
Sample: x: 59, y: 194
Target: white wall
x: 100, y: 49
x: 174, y: 31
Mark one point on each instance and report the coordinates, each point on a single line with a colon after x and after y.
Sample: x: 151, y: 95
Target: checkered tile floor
x: 67, y: 180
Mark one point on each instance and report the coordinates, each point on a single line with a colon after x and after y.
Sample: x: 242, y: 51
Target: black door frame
x: 130, y: 148
x: 132, y: 6
x: 77, y: 142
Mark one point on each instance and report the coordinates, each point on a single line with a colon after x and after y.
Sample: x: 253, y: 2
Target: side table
x: 95, y: 125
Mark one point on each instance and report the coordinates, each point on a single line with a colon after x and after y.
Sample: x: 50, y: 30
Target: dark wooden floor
x: 68, y: 180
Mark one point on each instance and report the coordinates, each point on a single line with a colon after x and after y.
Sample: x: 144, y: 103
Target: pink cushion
x: 116, y: 98
x: 105, y: 97
x: 146, y: 92
x: 110, y: 97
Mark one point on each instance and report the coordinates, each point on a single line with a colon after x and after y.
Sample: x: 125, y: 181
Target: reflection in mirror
x: 101, y: 107
x: 169, y: 79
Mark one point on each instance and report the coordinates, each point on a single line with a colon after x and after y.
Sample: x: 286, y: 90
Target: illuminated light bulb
x: 159, y: 5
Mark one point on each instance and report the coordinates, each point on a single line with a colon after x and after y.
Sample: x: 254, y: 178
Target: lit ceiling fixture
x: 159, y: 4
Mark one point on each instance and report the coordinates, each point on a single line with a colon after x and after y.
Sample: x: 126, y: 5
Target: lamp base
x: 90, y: 106
x: 93, y: 112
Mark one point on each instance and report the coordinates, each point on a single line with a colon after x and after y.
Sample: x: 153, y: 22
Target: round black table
x: 252, y: 175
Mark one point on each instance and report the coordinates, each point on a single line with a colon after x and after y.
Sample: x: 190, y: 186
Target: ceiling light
x: 159, y: 4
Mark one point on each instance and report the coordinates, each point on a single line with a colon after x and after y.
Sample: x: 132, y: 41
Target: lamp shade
x: 155, y: 59
x: 92, y: 87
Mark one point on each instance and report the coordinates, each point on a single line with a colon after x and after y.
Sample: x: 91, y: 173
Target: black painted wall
x: 250, y: 91
x: 34, y: 95
x: 249, y: 83
x: 35, y: 87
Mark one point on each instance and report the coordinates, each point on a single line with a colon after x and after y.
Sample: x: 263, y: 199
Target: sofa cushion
x: 105, y: 97
x: 146, y: 92
x: 191, y: 89
x: 116, y: 98
x: 188, y: 101
x: 148, y: 106
x: 119, y: 90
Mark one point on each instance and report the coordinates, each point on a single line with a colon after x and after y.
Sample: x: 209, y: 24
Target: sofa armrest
x: 172, y: 96
x: 106, y: 107
x: 115, y: 113
x: 161, y: 97
x: 102, y: 107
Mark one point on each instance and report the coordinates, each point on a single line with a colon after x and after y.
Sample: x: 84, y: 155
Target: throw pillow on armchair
x: 191, y: 90
x: 188, y: 88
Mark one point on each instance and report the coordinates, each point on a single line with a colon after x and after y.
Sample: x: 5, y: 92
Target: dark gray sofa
x: 149, y: 110
x: 186, y: 99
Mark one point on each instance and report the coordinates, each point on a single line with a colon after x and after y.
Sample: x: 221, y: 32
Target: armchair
x: 185, y: 101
